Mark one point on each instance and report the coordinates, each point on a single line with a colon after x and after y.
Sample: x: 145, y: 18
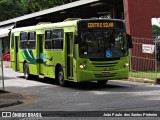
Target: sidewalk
x: 8, y: 99
x: 6, y: 64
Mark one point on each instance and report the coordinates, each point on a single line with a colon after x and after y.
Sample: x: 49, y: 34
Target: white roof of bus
x: 46, y: 26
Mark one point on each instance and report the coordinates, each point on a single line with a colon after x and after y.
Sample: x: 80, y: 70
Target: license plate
x: 105, y: 73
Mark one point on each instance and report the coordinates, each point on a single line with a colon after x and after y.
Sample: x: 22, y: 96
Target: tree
x: 38, y: 5
x: 14, y: 8
x: 155, y: 28
x: 11, y: 9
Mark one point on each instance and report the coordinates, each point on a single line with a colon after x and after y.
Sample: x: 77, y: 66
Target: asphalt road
x: 46, y: 95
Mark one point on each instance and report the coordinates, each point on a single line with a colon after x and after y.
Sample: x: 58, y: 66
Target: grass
x: 148, y: 74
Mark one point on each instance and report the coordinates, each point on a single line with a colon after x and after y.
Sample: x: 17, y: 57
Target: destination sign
x: 100, y: 24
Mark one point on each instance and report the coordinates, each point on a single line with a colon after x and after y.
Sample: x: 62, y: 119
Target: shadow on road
x: 7, y: 78
x: 90, y: 86
x: 72, y: 85
x: 2, y: 91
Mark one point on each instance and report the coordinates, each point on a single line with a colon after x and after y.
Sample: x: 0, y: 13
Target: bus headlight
x: 82, y: 66
x: 126, y: 65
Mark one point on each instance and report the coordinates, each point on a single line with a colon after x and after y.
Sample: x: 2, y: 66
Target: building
x: 138, y: 14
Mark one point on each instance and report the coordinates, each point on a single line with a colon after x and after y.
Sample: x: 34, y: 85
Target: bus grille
x: 105, y: 64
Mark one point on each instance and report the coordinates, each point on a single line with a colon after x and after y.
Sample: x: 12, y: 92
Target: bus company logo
x: 6, y: 114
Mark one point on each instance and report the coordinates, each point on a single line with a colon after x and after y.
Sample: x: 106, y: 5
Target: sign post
x: 1, y: 73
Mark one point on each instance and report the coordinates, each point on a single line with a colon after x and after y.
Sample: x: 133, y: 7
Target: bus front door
x: 69, y: 39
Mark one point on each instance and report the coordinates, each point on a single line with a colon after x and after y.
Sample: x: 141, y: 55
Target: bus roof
x: 46, y: 26
x: 71, y: 22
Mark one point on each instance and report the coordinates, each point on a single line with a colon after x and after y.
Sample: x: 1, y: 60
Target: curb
x: 10, y: 99
x: 8, y: 95
x: 10, y: 104
x: 144, y: 80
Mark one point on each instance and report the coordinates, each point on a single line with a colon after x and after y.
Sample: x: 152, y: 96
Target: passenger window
x: 48, y: 39
x: 23, y: 40
x: 31, y: 40
x: 57, y: 41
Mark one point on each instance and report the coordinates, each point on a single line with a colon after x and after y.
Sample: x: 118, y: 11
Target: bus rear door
x: 14, y: 52
x: 40, y: 56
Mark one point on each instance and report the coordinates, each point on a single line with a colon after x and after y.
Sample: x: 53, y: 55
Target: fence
x: 145, y: 58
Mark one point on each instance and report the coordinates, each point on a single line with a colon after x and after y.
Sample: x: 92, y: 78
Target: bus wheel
x: 102, y: 82
x: 26, y: 71
x: 60, y: 77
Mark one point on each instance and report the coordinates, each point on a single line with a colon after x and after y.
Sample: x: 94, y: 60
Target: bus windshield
x: 103, y: 44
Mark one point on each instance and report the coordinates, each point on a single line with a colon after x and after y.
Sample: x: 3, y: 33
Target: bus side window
x: 48, y: 38
x: 23, y: 40
x: 57, y: 41
x: 31, y: 40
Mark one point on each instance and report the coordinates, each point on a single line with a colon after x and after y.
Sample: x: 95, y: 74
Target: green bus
x: 77, y: 50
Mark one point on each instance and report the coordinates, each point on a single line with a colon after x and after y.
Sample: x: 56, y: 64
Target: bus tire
x: 26, y: 71
x: 60, y: 77
x: 102, y: 82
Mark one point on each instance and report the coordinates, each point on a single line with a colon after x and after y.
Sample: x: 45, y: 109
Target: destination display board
x: 101, y: 24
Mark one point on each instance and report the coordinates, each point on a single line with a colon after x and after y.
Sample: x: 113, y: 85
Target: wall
x: 138, y: 14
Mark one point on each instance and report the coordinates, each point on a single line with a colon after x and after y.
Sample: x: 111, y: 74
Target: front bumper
x: 85, y: 75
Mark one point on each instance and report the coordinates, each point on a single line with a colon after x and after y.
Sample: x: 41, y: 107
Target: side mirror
x: 75, y: 39
x: 129, y: 37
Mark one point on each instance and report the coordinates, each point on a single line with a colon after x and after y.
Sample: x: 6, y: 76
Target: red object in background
x: 6, y: 56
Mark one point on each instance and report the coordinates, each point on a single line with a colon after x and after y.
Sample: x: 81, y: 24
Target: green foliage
x: 37, y: 5
x: 148, y: 75
x: 11, y: 9
x: 155, y: 28
x: 14, y: 8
